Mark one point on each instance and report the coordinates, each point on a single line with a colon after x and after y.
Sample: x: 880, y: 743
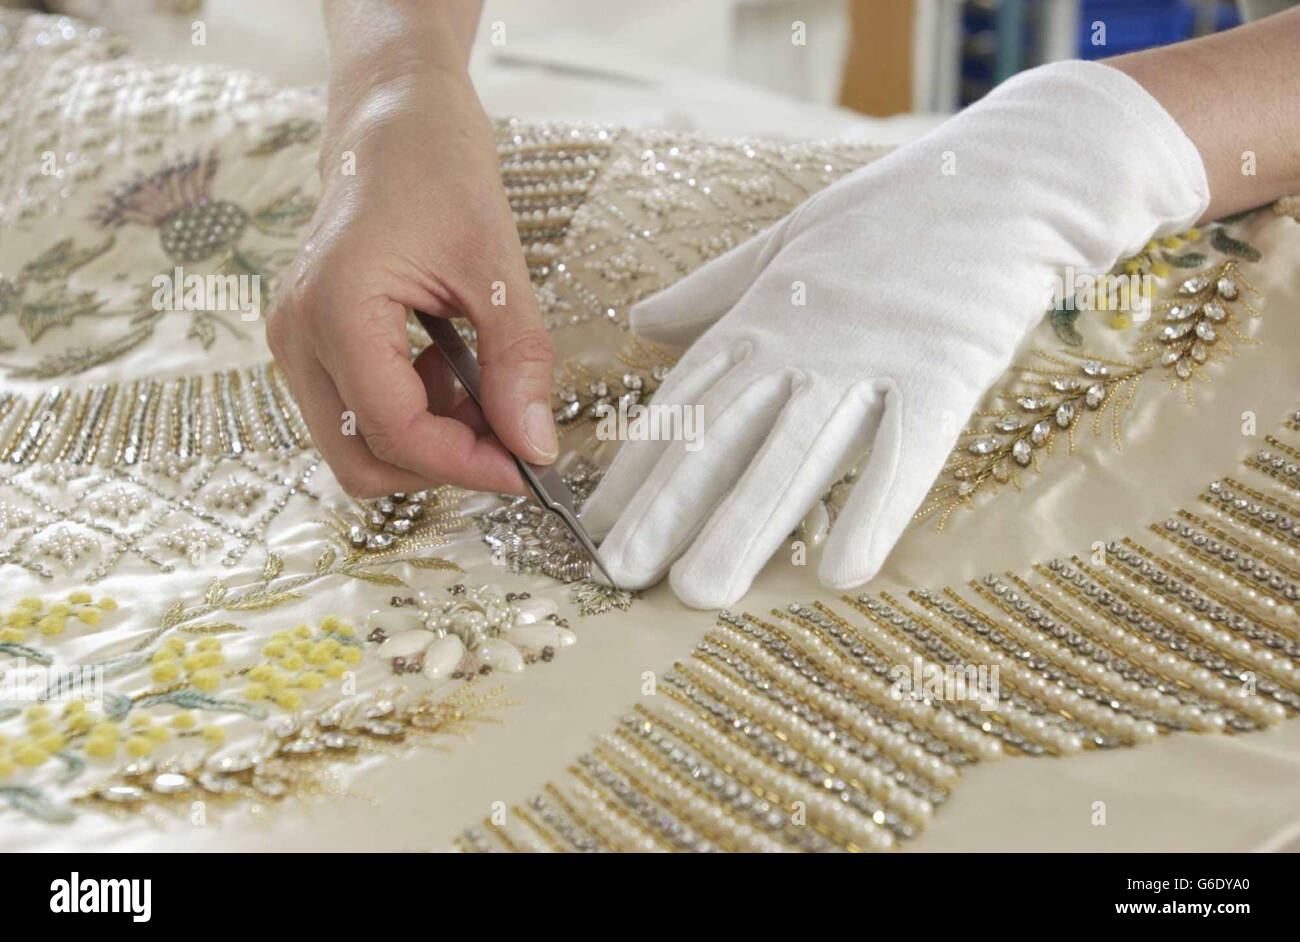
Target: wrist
x: 377, y: 48
x: 417, y: 102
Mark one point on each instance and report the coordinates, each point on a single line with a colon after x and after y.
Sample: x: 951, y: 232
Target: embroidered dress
x: 197, y: 624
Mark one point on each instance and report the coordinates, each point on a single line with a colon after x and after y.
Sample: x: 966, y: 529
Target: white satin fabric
x: 1185, y: 792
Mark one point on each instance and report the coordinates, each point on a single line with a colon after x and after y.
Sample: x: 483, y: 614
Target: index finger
x: 367, y: 358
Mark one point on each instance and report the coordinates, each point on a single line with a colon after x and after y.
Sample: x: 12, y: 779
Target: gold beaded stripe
x: 807, y: 729
x: 112, y: 424
x: 547, y: 171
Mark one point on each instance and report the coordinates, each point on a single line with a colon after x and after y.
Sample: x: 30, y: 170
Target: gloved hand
x: 922, y: 272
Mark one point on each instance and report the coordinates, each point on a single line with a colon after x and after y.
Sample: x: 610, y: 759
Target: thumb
x: 517, y: 363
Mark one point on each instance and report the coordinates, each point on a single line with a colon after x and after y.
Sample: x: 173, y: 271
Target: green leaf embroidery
x: 286, y: 214
x: 117, y: 705
x: 73, y: 765
x: 55, y: 308
x: 32, y: 802
x: 1063, y: 324
x: 78, y: 360
x: 1186, y: 259
x: 62, y: 259
x: 113, y: 667
x: 1237, y: 248
x: 283, y: 134
x: 191, y: 699
x: 25, y: 651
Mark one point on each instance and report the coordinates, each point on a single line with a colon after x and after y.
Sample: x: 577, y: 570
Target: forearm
x: 386, y: 44
x: 1232, y: 93
x: 396, y: 37
x: 384, y: 53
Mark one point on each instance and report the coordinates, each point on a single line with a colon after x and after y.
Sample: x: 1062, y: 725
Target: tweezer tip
x: 605, y: 572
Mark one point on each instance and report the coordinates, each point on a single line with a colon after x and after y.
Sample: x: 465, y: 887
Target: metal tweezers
x: 545, y: 483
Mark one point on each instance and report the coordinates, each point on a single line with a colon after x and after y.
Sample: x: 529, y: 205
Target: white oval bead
x: 534, y: 610
x: 500, y: 655
x: 405, y: 643
x: 535, y: 637
x: 391, y: 620
x: 443, y: 656
x: 816, y: 524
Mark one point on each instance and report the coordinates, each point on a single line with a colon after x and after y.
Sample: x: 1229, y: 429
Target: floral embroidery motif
x: 222, y: 697
x: 584, y: 395
x: 525, y: 537
x: 33, y: 614
x: 596, y: 598
x: 469, y: 631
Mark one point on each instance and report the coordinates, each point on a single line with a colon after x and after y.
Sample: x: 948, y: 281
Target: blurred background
x: 879, y: 70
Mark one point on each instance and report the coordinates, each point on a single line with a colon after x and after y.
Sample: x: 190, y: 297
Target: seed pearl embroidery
x: 803, y: 732
x: 68, y: 547
x: 75, y: 527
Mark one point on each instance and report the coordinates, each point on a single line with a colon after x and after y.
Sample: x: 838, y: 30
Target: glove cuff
x: 1122, y: 119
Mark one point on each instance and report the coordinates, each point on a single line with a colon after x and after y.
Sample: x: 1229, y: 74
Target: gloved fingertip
x: 703, y: 593
x: 842, y: 575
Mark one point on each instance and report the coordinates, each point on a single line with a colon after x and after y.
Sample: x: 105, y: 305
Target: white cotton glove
x: 919, y: 286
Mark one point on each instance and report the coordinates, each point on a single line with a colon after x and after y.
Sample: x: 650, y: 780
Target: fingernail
x: 539, y: 429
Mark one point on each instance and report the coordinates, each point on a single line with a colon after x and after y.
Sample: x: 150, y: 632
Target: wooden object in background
x: 878, y: 70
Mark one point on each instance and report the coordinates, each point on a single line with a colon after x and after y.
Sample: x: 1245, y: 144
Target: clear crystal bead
x: 1065, y: 414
